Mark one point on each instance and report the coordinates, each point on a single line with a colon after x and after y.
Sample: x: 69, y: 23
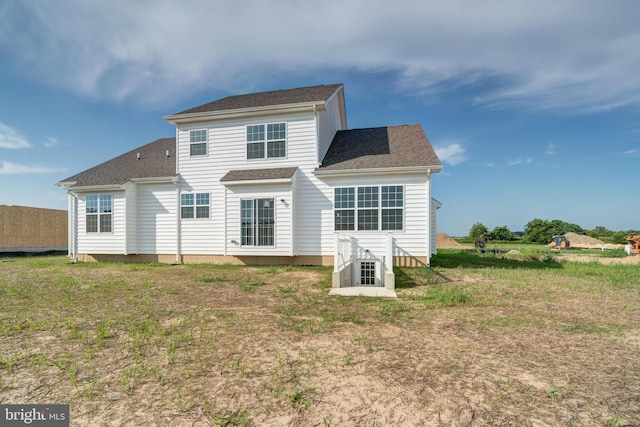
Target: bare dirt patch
x: 634, y: 259
x: 529, y: 344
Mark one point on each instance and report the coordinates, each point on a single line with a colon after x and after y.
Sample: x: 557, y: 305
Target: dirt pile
x: 581, y: 241
x: 444, y: 241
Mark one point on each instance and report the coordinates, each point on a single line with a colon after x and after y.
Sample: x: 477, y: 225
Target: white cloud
x: 11, y: 139
x: 9, y: 168
x: 520, y: 161
x: 551, y: 149
x: 451, y: 152
x: 50, y: 142
x: 536, y: 55
x: 630, y: 152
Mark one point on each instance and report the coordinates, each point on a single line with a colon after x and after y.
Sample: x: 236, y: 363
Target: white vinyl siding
x: 131, y: 218
x: 310, y: 208
x: 411, y: 241
x: 103, y: 243
x: 157, y: 219
x: 303, y: 209
x: 434, y: 208
x: 329, y: 121
x: 228, y: 152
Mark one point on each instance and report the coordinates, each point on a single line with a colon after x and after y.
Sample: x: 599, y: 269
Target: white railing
x: 343, y: 251
x: 342, y: 261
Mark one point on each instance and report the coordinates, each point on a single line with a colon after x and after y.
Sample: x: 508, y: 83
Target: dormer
x: 264, y: 117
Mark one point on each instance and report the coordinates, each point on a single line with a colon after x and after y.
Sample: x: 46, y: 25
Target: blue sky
x: 533, y: 107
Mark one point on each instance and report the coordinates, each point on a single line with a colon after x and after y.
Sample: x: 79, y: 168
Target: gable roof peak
x: 302, y: 95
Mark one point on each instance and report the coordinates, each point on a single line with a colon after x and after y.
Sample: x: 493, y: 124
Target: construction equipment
x: 481, y: 242
x: 634, y: 241
x: 559, y: 242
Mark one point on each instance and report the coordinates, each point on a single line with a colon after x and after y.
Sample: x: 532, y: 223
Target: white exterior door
x: 368, y: 272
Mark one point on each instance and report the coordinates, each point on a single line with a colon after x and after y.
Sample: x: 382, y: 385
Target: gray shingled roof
x: 153, y: 163
x: 259, y: 174
x: 264, y: 99
x: 384, y: 147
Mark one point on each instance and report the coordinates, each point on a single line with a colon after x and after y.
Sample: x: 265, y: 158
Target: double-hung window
x: 344, y: 205
x: 198, y: 142
x: 266, y: 141
x: 368, y: 208
x: 194, y: 205
x: 257, y: 218
x: 99, y: 217
x: 392, y: 207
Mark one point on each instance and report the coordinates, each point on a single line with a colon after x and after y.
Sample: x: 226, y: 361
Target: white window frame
x: 194, y: 205
x: 265, y: 141
x: 255, y: 225
x: 98, y: 214
x: 380, y: 209
x: 343, y: 209
x: 198, y: 142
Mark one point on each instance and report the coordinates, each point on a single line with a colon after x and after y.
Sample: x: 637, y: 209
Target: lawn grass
x: 478, y: 338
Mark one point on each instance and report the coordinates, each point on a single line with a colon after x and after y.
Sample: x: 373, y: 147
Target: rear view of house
x: 265, y: 178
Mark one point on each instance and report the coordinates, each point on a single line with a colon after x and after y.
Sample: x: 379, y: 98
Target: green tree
x: 620, y: 237
x: 600, y: 231
x: 501, y: 233
x: 478, y: 230
x: 541, y: 231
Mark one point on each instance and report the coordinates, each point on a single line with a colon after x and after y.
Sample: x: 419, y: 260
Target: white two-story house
x: 265, y: 178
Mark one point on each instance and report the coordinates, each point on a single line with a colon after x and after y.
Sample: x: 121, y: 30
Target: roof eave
x: 258, y: 181
x: 155, y: 179
x: 245, y: 112
x: 105, y: 187
x: 66, y: 184
x: 377, y: 171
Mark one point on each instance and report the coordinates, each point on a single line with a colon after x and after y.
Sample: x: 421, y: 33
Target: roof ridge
x: 269, y: 98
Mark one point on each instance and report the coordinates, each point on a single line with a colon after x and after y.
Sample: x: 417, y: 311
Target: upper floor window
x: 99, y: 216
x: 198, y: 142
x: 194, y: 205
x: 369, y: 208
x: 267, y: 141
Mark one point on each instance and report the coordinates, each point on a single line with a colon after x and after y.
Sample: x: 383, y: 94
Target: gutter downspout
x: 176, y: 181
x: 429, y: 218
x: 126, y: 219
x: 224, y: 219
x: 72, y: 228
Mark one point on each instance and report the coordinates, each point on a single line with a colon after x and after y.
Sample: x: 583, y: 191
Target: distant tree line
x: 542, y: 231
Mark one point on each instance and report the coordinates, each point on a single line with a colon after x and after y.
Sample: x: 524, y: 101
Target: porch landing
x: 365, y: 291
